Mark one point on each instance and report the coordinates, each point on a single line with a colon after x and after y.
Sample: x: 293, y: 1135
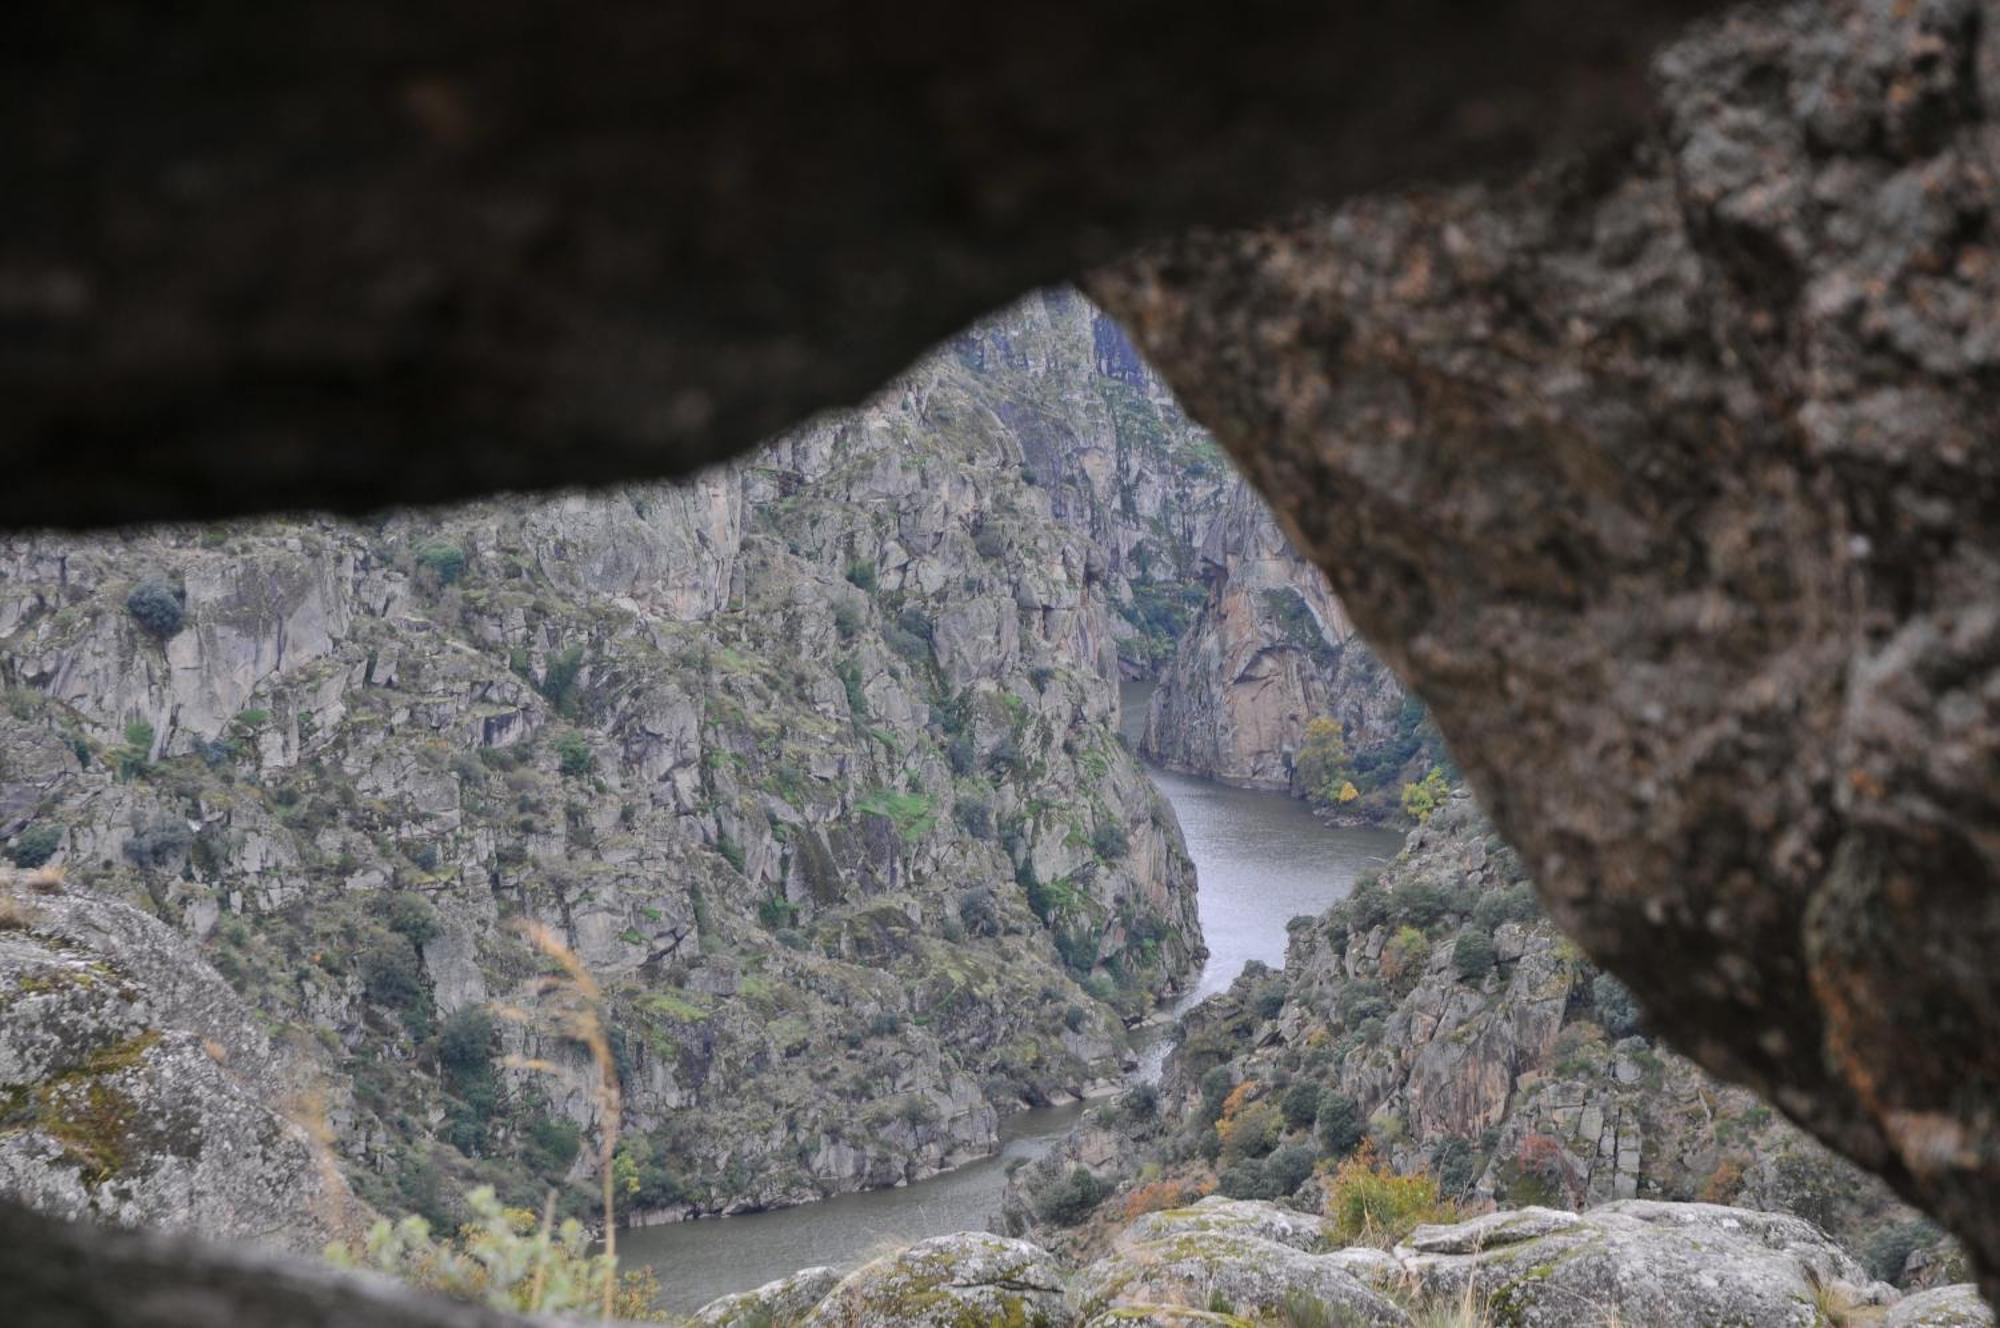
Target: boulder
x: 1642, y: 1264
x: 946, y: 1282
x: 1230, y: 1271
x: 777, y: 1304
x: 1941, y: 1307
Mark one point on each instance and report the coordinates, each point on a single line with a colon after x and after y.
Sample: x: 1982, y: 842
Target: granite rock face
x: 1646, y: 1264
x: 137, y: 1088
x: 1270, y: 650
x: 1662, y: 475
x: 948, y: 1281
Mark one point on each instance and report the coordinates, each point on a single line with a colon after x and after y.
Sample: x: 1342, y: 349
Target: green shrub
x: 1423, y: 798
x: 847, y: 618
x: 1370, y: 1204
x: 466, y: 1044
x: 974, y: 815
x: 1472, y: 954
x: 1216, y: 1085
x: 159, y: 844
x: 558, y: 683
x: 443, y: 560
x: 506, y: 1259
x: 412, y: 917
x: 550, y: 1146
x: 1289, y: 1167
x: 1338, y: 1125
x: 1109, y: 841
x: 1301, y: 1104
x: 1516, y: 903
x: 849, y: 672
x: 157, y: 605
x: 1246, y: 1180
x: 1617, y: 1009
x: 35, y: 845
x: 1252, y: 1132
x: 136, y: 757
x: 573, y: 754
x: 861, y: 574
x: 776, y: 911
x: 390, y: 972
x: 1889, y: 1247
x: 979, y: 912
x: 1068, y: 1201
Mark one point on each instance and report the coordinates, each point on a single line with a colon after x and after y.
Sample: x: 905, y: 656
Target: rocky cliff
x: 1232, y: 1264
x: 1121, y: 464
x: 1269, y: 652
x: 811, y: 762
x: 1437, y: 1019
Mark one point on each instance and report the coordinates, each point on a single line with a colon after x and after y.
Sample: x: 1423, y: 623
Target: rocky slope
x: 1439, y: 1019
x: 812, y: 764
x: 1269, y: 652
x: 1231, y: 1264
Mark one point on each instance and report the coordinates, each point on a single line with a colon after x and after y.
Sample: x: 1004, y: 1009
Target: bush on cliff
x: 157, y: 606
x: 1067, y: 1201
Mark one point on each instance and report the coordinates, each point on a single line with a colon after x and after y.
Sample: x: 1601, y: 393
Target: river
x: 1260, y: 858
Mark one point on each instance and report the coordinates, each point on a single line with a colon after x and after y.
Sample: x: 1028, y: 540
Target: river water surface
x: 1261, y: 859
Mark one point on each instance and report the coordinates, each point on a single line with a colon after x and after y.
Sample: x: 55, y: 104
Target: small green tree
x: 573, y: 755
x: 1472, y: 954
x: 137, y: 755
x: 1424, y: 797
x: 1322, y: 762
x: 1339, y: 1126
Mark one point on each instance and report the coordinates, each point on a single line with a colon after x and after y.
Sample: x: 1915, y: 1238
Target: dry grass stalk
x: 567, y: 1006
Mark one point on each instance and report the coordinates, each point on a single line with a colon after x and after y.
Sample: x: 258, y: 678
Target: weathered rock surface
x: 776, y: 1304
x: 1271, y: 650
x: 1224, y: 1263
x: 1664, y: 477
x: 1192, y: 1261
x: 1942, y: 1307
x: 136, y: 1088
x: 1649, y: 1265
x: 946, y: 1282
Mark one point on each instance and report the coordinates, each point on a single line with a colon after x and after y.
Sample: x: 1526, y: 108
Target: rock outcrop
x: 1224, y: 1264
x: 1663, y: 476
x: 1642, y: 1263
x: 1270, y: 651
x: 1120, y: 463
x: 136, y: 1088
x: 812, y: 762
